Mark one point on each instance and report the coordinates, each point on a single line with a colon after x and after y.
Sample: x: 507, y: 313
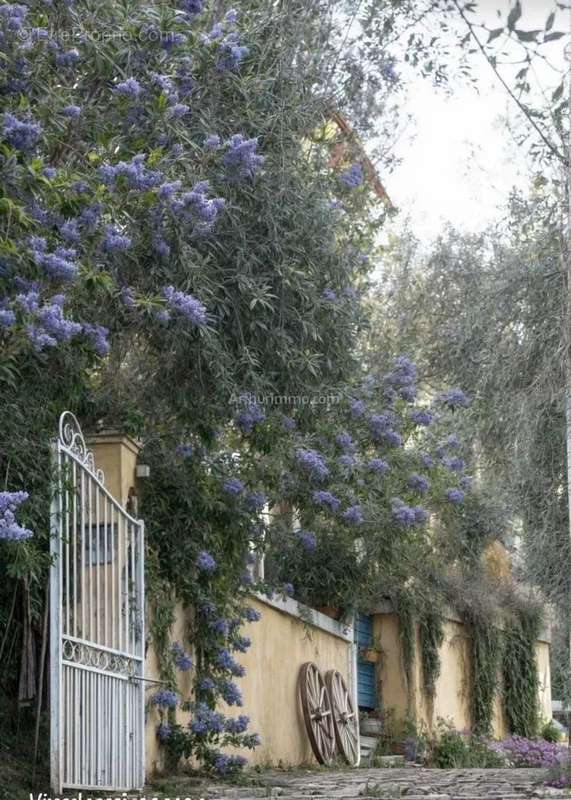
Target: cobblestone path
x: 386, y: 784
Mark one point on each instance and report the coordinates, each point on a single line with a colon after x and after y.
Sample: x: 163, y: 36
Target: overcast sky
x: 459, y: 161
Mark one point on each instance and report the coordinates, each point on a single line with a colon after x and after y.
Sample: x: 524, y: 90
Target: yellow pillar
x: 116, y: 455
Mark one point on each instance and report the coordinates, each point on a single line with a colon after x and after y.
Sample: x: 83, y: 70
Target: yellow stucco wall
x: 451, y: 700
x: 281, y: 643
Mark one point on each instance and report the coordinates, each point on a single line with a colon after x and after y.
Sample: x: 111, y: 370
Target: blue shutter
x: 366, y: 673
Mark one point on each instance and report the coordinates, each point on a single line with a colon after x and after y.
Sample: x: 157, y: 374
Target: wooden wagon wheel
x: 317, y: 712
x: 345, y: 720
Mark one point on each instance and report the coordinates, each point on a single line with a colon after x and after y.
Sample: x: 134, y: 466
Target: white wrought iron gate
x: 96, y: 627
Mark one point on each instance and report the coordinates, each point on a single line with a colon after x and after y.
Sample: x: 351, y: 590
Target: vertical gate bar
x: 114, y: 551
x: 90, y: 553
x: 65, y: 499
x: 125, y: 585
x: 141, y: 686
x: 119, y: 582
x: 74, y: 553
x: 76, y: 719
x: 83, y: 546
x: 133, y: 591
x: 55, y: 627
x: 105, y: 573
x: 97, y: 568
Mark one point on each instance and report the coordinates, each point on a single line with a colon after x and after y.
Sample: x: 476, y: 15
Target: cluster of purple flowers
x: 192, y: 7
x: 9, y: 527
x: 354, y: 515
x: 419, y: 483
x: 185, y: 450
x: 233, y: 486
x: 206, y: 720
x: 407, y: 515
x: 181, y: 658
x: 256, y: 501
x: 454, y: 463
x: 345, y: 441
x: 379, y: 466
x: 193, y: 206
x: 130, y: 88
x: 59, y: 265
x: 50, y: 325
x: 312, y: 462
x: 21, y: 134
x: 455, y: 495
x: 226, y: 661
x: 241, y: 644
x: 307, y: 539
x: 522, y: 752
x: 224, y: 764
x: 353, y: 177
x: 357, y: 408
x: 250, y: 416
x: 164, y: 732
x: 453, y: 398
x: 206, y: 563
x: 114, y: 241
x: 185, y: 305
x: 230, y: 53
x: 251, y: 615
x: 241, y: 156
x: 165, y: 698
x: 235, y: 725
x: 329, y: 295
x: 402, y: 378
x: 422, y: 416
x: 322, y: 498
x: 230, y: 693
x: 98, y: 336
x: 132, y: 174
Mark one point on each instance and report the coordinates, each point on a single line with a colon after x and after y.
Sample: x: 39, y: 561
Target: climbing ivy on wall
x: 520, y: 671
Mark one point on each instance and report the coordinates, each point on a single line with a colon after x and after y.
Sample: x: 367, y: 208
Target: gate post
x: 116, y: 455
x: 55, y: 704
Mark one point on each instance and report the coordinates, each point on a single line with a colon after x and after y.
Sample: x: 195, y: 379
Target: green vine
x: 485, y: 656
x: 520, y: 672
x: 431, y: 633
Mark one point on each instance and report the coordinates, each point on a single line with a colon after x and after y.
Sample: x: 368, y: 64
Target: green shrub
x: 454, y: 750
x: 550, y: 732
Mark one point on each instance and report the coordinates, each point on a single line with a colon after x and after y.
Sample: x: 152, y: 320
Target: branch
x: 552, y: 148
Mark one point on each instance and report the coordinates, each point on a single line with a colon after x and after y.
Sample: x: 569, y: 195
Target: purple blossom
x: 256, y: 501
x: 114, y: 241
x: 357, y: 408
x: 21, y: 134
x: 59, y: 265
x: 206, y: 563
x: 206, y: 720
x: 235, y: 725
x: 329, y: 295
x: 241, y: 643
x: 224, y: 764
x: 393, y: 438
x: 71, y: 111
x: 97, y: 334
x: 133, y: 174
x: 7, y: 317
x: 347, y: 461
x: 207, y: 684
x: 288, y: 589
x: 454, y: 463
x: 465, y: 482
x: 288, y: 423
x: 182, y: 660
x: 422, y: 416
x: 10, y: 529
x: 230, y: 53
x: 418, y: 483
x: 178, y: 110
x: 251, y: 615
x: 241, y: 156
x: 212, y: 142
x: 250, y: 416
x: 233, y: 486
x: 231, y: 694
x: 192, y: 7
x: 165, y: 698
x: 186, y: 306
x: 345, y: 441
x: 185, y: 450
x: 195, y: 207
x: 130, y: 88
x: 307, y: 539
x: 327, y: 499
x: 70, y: 230
x: 353, y: 177
x: 67, y: 58
x: 313, y: 462
x: 231, y: 16
x: 453, y: 398
x: 164, y: 732
x: 407, y: 515
x: 354, y: 515
x: 427, y: 460
x: 379, y: 466
x: 226, y: 661
x: 219, y: 625
x: 455, y: 495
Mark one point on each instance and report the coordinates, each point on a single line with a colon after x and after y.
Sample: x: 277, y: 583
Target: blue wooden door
x: 366, y: 678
